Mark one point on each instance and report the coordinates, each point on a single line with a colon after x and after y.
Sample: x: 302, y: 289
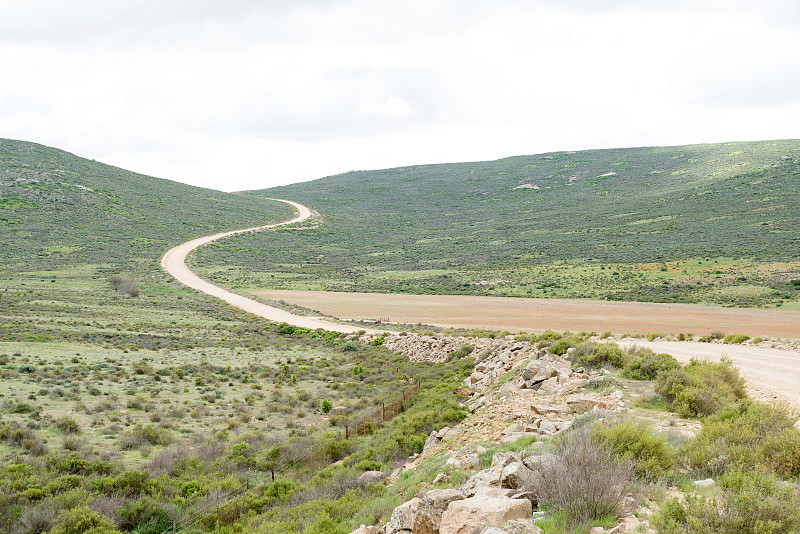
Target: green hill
x: 67, y: 224
x: 698, y: 223
x: 60, y: 209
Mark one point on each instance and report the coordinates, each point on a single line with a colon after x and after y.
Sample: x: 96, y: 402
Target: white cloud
x: 246, y: 93
x: 394, y: 106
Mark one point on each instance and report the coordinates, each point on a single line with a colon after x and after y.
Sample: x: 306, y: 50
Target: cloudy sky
x: 245, y: 94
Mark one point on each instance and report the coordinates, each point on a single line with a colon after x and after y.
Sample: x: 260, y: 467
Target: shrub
x: 82, y: 520
x: 735, y: 339
x: 326, y: 405
x: 68, y: 425
x: 746, y: 434
x: 701, y: 387
x: 752, y: 502
x: 561, y: 346
x: 593, y: 354
x: 644, y: 364
x: 635, y: 441
x: 584, y: 480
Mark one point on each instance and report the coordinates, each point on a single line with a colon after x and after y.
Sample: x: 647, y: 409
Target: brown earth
x: 537, y: 315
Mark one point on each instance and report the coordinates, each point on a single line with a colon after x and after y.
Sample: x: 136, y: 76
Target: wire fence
x: 364, y: 425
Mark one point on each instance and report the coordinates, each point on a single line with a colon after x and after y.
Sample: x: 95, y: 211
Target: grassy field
x: 711, y: 224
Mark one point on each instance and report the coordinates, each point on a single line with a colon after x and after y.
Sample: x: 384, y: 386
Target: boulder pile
x: 516, y: 391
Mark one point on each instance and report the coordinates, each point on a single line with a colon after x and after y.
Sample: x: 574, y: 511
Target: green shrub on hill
x: 701, y: 387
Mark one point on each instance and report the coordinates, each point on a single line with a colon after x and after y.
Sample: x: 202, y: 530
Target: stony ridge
x: 515, y: 391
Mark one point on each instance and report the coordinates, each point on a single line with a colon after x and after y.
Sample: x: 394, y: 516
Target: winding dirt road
x: 771, y: 374
x: 174, y: 262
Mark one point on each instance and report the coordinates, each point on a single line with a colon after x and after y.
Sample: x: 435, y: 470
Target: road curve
x: 174, y: 262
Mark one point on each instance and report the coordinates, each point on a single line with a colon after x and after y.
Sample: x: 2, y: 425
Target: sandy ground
x: 537, y: 315
x: 772, y: 375
x: 174, y: 262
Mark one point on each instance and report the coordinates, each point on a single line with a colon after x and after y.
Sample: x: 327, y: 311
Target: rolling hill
x: 700, y: 223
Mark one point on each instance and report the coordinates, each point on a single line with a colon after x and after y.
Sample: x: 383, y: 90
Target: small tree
x: 326, y: 406
x: 116, y: 281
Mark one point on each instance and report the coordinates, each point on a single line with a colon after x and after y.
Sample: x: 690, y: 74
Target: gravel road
x: 174, y: 262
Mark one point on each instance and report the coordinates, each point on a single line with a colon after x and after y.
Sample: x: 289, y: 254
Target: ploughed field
x: 537, y: 315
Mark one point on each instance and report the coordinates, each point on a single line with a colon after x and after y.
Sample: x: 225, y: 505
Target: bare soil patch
x: 537, y: 315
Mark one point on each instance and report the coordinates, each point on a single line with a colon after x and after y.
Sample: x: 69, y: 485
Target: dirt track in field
x: 174, y: 262
x: 537, y: 315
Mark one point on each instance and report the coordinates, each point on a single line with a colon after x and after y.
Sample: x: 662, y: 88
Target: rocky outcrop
x: 470, y: 516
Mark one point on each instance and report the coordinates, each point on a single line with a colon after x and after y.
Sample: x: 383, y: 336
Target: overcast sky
x: 245, y: 94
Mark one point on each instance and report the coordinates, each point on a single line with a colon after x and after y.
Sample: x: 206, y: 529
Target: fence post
x: 346, y: 431
x: 383, y: 410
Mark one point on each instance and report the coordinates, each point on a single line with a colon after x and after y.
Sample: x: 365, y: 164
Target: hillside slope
x: 548, y: 225
x: 57, y: 208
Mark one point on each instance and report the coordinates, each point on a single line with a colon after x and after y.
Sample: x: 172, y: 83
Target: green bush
x: 592, y: 354
x: 561, y: 346
x: 735, y: 339
x: 651, y: 454
x: 644, y: 364
x: 68, y: 425
x: 701, y: 387
x: 752, y: 502
x: 746, y: 434
x: 82, y: 520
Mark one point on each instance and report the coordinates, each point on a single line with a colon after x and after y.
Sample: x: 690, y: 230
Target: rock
x: 502, y: 459
x: 707, y: 483
x: 493, y: 530
x: 522, y: 526
x: 517, y: 476
x: 441, y: 477
x: 544, y: 409
x: 597, y: 530
x: 511, y: 429
x: 461, y: 390
x: 548, y: 386
x: 631, y: 524
x: 476, y: 377
x: 536, y: 372
x: 403, y: 516
x: 434, y: 504
x: 370, y: 477
x: 432, y: 441
x: 452, y: 463
x: 531, y: 496
x: 469, y: 516
x: 546, y: 427
x: 488, y: 477
x: 583, y: 403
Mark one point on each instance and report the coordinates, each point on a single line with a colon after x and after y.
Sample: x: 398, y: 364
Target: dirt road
x: 174, y: 262
x: 771, y: 374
